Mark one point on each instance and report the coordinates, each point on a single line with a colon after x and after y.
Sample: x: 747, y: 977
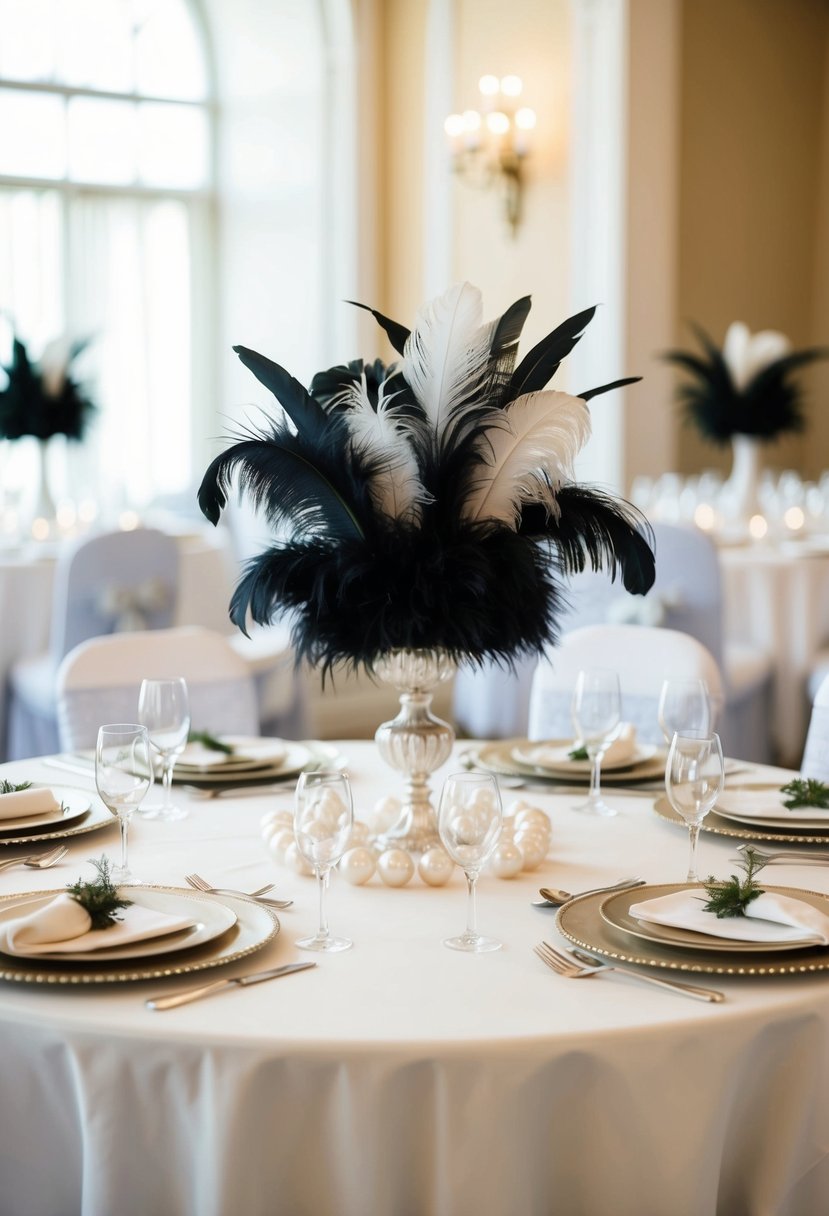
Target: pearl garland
x: 523, y: 845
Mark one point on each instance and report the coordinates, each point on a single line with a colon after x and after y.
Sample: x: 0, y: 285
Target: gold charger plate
x: 93, y: 820
x: 580, y: 921
x: 74, y: 805
x: 565, y: 767
x: 296, y: 757
x: 720, y: 826
x: 497, y: 758
x: 615, y: 910
x: 255, y: 926
x: 211, y: 919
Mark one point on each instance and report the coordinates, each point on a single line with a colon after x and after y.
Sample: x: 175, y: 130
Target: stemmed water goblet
x: 164, y: 708
x: 122, y: 777
x: 694, y: 776
x: 323, y: 818
x: 596, y: 711
x: 469, y: 822
x: 685, y: 705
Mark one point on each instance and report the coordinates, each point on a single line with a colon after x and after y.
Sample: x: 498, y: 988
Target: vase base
x: 414, y: 841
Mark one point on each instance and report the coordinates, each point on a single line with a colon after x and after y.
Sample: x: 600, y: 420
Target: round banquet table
x: 401, y: 1078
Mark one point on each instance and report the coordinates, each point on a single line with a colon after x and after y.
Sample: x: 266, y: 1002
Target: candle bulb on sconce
x: 488, y: 145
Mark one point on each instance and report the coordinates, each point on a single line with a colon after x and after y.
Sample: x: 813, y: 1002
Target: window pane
x: 32, y: 127
x: 169, y: 60
x: 27, y: 42
x: 102, y: 141
x: 96, y: 45
x: 174, y: 146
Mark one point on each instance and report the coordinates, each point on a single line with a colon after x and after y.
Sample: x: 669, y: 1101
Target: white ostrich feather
x: 445, y: 359
x: 528, y: 458
x: 395, y: 487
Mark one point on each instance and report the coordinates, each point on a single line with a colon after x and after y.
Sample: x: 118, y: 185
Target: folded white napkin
x: 769, y: 918
x: 621, y: 751
x: 63, y: 927
x: 27, y: 802
x: 767, y: 804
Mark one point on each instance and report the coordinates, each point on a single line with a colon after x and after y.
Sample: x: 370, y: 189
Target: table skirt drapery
x: 403, y: 1079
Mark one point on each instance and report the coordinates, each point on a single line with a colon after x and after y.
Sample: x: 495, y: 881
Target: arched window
x: 106, y: 180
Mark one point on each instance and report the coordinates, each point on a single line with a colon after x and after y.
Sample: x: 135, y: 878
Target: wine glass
x: 323, y: 817
x: 469, y: 822
x: 694, y: 776
x: 596, y: 712
x: 685, y: 705
x: 164, y: 709
x: 122, y: 776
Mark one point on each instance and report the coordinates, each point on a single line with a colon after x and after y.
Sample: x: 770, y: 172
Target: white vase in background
x: 43, y: 506
x: 741, y: 491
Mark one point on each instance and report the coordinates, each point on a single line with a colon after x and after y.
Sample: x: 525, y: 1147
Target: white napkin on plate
x: 767, y: 804
x: 63, y: 927
x: 620, y: 751
x: 27, y: 802
x: 769, y: 918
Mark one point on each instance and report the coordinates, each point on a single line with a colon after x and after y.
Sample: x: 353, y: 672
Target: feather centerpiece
x: 43, y: 400
x: 430, y: 504
x: 745, y: 388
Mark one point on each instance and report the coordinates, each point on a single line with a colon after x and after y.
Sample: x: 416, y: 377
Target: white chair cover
x: 99, y: 682
x: 109, y: 582
x: 642, y: 656
x: 815, y: 761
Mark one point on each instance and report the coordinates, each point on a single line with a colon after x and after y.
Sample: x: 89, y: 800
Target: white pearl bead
x: 395, y: 867
x: 285, y: 818
x: 532, y: 817
x: 507, y: 860
x: 270, y: 830
x: 385, y: 814
x: 507, y: 829
x: 533, y: 847
x: 435, y: 867
x: 279, y: 843
x: 518, y: 804
x: 359, y: 833
x: 295, y: 860
x: 357, y: 866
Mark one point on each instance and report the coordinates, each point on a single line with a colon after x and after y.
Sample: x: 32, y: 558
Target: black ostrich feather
x: 769, y: 405
x: 429, y: 504
x: 30, y: 405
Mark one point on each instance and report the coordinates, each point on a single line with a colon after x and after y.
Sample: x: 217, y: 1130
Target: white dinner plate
x: 211, y: 919
x: 763, y: 805
x: 248, y: 753
x: 294, y: 760
x: 615, y: 910
x: 93, y: 820
x: 73, y: 805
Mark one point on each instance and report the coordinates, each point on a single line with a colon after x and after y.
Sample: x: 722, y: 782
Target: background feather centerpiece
x: 428, y: 505
x: 745, y: 388
x: 43, y: 400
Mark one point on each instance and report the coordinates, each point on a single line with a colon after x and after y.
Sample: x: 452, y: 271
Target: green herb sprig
x: 100, y: 897
x: 805, y: 793
x: 578, y: 753
x: 210, y: 741
x: 8, y: 787
x: 731, y: 897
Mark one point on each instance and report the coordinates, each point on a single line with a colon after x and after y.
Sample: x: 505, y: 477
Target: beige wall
x: 751, y: 147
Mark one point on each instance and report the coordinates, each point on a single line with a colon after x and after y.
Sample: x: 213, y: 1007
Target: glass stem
x: 322, y: 880
x: 471, y: 910
x: 596, y: 778
x: 693, y: 834
x: 167, y: 764
x: 124, y: 824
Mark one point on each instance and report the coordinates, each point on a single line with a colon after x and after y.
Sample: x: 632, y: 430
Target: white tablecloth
x: 401, y: 1078
x: 779, y: 600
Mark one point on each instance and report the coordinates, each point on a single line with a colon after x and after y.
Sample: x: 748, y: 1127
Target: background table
x: 401, y: 1077
x: 778, y: 599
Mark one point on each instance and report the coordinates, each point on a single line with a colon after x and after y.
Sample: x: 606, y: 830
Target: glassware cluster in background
x: 792, y: 508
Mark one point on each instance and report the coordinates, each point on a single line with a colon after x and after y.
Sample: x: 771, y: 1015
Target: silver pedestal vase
x: 415, y: 742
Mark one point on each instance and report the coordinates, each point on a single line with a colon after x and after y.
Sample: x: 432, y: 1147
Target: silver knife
x: 195, y: 994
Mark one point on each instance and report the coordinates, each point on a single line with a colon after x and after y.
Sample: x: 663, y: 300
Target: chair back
x: 643, y: 656
x: 99, y: 682
x: 114, y: 582
x: 815, y: 761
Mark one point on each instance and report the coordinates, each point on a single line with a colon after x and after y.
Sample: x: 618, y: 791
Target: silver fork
x: 814, y: 859
x: 201, y: 884
x: 38, y: 861
x: 570, y: 968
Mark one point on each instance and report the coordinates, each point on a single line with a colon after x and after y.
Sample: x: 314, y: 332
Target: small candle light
x: 794, y: 518
x: 128, y: 521
x: 40, y: 528
x: 758, y: 526
x: 705, y: 516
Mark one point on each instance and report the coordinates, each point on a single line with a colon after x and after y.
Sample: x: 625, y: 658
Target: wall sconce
x: 488, y: 145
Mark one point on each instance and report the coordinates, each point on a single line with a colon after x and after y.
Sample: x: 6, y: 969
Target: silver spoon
x: 553, y: 897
